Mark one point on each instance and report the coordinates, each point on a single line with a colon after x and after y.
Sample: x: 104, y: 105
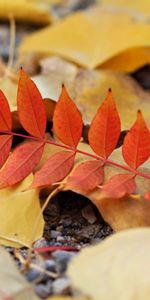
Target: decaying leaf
x: 92, y: 37
x: 19, y: 211
x: 117, y: 268
x: 32, y: 11
x: 13, y: 285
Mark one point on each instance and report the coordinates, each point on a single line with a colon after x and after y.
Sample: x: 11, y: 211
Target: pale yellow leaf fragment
x: 93, y: 37
x: 24, y: 10
x: 19, y: 210
x: 13, y: 285
x: 116, y: 269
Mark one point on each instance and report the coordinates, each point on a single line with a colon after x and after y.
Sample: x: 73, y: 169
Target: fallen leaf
x: 117, y: 268
x: 105, y: 128
x: 30, y: 103
x: 31, y: 11
x: 21, y: 163
x: 92, y: 37
x: 67, y: 120
x: 13, y: 285
x: 19, y: 211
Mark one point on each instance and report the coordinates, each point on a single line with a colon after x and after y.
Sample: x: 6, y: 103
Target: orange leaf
x: 105, y: 128
x: 119, y: 185
x: 136, y: 146
x: 21, y: 163
x: 5, y: 114
x: 5, y: 145
x: 31, y: 109
x: 67, y: 120
x: 87, y: 176
x: 55, y: 169
x: 147, y: 195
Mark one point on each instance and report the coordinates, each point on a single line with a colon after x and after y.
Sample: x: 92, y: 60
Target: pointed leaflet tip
x: 31, y: 109
x: 67, y: 120
x: 136, y: 146
x: 105, y: 128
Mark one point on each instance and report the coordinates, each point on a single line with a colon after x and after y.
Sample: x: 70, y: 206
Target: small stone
x: 33, y: 275
x: 42, y: 290
x: 61, y: 286
x: 55, y: 234
x: 40, y: 243
x: 60, y: 239
x: 50, y: 265
x: 62, y: 258
x: 88, y: 214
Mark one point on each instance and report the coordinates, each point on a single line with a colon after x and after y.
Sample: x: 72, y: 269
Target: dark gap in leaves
x: 142, y: 75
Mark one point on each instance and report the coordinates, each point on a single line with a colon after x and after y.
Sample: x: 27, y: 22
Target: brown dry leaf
x: 13, y: 285
x: 19, y: 211
x: 24, y: 10
x: 116, y: 269
x: 91, y: 90
x: 93, y: 37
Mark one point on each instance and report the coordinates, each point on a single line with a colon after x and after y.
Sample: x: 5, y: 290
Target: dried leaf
x: 105, y: 128
x: 67, y: 120
x: 21, y: 163
x: 92, y: 37
x: 19, y: 211
x: 13, y: 285
x: 136, y: 146
x: 55, y: 169
x: 30, y: 103
x: 117, y: 268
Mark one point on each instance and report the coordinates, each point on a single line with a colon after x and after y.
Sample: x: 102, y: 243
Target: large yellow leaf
x: 19, y: 211
x: 93, y: 37
x: 116, y: 269
x: 24, y: 10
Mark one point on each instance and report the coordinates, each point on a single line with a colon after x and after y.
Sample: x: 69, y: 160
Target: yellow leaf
x: 12, y: 284
x: 24, y: 10
x: 19, y: 211
x: 93, y: 37
x: 116, y: 269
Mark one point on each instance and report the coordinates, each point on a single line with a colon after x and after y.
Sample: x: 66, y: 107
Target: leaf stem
x: 106, y: 161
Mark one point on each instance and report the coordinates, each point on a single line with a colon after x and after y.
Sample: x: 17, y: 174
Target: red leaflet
x: 67, y: 120
x: 31, y: 108
x: 105, y: 128
x: 119, y: 185
x: 5, y: 146
x: 147, y: 195
x: 87, y: 176
x: 21, y: 163
x: 5, y: 125
x: 5, y: 114
x: 55, y: 169
x: 136, y: 146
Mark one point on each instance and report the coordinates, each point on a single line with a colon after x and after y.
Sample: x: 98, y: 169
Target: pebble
x: 33, y: 275
x: 50, y: 265
x: 40, y: 243
x: 62, y: 259
x: 55, y: 234
x: 43, y: 290
x: 61, y: 286
x: 88, y: 214
x: 60, y: 239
